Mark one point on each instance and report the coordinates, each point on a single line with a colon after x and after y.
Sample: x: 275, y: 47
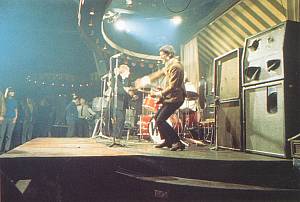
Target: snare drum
x: 150, y: 103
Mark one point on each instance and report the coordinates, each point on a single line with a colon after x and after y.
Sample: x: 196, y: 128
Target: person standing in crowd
x: 84, y: 114
x: 2, y: 108
x: 172, y: 96
x: 27, y: 106
x: 9, y: 120
x: 42, y: 123
x: 72, y: 116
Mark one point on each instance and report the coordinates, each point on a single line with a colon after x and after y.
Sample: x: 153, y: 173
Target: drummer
x: 190, y: 103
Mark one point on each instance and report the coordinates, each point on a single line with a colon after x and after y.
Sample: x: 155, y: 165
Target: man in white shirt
x: 84, y: 114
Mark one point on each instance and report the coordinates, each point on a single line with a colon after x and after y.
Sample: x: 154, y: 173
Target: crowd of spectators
x: 25, y: 118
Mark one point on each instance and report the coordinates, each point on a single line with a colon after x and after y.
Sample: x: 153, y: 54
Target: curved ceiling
x: 41, y: 36
x: 146, y: 24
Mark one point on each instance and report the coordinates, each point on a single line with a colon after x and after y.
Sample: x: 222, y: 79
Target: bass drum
x: 155, y: 136
x: 153, y: 132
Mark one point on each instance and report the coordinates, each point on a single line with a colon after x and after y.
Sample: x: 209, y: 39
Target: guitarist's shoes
x: 177, y: 146
x: 164, y: 144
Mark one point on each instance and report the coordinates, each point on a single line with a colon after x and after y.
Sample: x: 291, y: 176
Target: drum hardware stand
x: 217, y: 104
x: 187, y: 136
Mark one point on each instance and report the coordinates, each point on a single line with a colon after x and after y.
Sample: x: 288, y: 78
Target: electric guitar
x: 133, y: 91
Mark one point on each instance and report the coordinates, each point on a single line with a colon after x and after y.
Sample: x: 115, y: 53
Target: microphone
x: 117, y: 55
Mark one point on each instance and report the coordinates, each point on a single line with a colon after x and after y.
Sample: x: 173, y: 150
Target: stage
x: 85, y: 169
x: 99, y: 147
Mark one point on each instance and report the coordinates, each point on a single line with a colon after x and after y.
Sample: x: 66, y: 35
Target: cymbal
x: 192, y: 95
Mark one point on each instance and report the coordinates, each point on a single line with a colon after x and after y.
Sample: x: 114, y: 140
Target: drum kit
x: 183, y: 121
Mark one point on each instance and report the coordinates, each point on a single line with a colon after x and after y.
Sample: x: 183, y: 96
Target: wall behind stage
x: 229, y: 31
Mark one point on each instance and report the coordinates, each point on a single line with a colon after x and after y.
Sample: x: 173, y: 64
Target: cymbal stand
x: 141, y: 136
x: 185, y: 125
x: 214, y: 133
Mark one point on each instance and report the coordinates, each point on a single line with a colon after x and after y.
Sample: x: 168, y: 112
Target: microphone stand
x: 99, y: 124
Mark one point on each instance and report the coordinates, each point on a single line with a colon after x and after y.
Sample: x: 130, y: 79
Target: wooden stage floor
x: 88, y: 147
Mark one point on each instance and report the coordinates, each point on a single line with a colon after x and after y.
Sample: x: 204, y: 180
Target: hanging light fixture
x: 129, y: 3
x: 92, y: 12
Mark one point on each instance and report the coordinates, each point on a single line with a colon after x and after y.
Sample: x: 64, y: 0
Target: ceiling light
x: 129, y: 3
x: 91, y: 24
x: 176, y: 20
x: 120, y: 25
x: 92, y: 12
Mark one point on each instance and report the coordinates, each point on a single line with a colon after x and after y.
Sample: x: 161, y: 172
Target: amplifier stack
x: 271, y: 89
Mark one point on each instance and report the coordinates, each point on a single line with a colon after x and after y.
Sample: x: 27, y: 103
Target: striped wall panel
x: 229, y: 31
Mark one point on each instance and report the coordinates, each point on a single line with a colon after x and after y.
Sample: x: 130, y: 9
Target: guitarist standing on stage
x: 172, y: 96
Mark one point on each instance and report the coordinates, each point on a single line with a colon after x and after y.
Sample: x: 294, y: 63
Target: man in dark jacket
x: 72, y: 116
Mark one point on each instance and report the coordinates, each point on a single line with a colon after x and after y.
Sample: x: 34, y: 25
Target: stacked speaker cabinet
x: 228, y: 106
x: 271, y: 89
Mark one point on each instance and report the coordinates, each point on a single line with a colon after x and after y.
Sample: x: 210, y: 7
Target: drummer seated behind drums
x: 172, y: 96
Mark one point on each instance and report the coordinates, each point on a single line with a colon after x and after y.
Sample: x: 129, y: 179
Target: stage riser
x: 82, y: 178
x: 248, y: 172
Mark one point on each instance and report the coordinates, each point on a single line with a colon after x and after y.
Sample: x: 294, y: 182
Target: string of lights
x: 56, y: 83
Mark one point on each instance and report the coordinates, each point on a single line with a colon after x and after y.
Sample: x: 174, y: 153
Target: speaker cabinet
x: 227, y: 75
x: 228, y: 90
x: 271, y: 116
x: 266, y: 54
x: 228, y: 123
x: 264, y: 115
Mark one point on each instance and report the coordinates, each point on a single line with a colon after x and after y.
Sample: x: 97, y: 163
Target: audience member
x: 9, y: 119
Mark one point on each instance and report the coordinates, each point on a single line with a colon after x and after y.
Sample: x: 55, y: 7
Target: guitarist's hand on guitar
x: 130, y: 90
